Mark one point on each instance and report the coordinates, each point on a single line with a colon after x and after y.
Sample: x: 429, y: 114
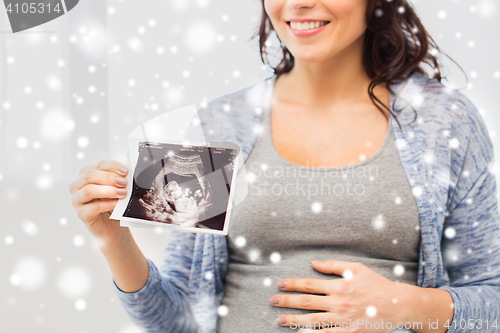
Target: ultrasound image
x: 184, y: 185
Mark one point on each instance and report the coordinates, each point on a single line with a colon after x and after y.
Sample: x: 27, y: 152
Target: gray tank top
x: 292, y: 214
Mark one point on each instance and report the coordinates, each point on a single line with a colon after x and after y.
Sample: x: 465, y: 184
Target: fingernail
x: 281, y: 320
x: 122, y: 169
x: 282, y: 284
x: 121, y: 181
x: 317, y: 262
x: 121, y: 191
x: 274, y: 300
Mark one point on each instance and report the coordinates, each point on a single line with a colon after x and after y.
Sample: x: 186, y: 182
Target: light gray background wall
x: 72, y: 89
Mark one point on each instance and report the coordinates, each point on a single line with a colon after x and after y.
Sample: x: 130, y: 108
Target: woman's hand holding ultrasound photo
x: 172, y: 184
x: 95, y: 194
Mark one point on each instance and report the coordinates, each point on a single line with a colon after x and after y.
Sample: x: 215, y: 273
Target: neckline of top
x: 268, y: 94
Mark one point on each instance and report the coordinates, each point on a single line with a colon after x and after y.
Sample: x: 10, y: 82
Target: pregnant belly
x: 248, y: 288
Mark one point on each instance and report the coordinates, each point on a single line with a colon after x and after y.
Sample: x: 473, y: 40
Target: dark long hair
x: 395, y: 45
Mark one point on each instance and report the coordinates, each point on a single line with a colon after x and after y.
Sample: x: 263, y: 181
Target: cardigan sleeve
x: 162, y: 304
x: 471, y: 232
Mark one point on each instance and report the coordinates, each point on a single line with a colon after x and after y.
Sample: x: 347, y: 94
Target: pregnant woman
x: 371, y: 203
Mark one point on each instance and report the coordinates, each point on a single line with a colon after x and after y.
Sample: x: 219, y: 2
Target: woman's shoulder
x: 432, y: 98
x: 450, y: 122
x: 448, y: 110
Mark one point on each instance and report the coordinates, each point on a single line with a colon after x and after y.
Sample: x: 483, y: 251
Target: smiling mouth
x: 306, y: 25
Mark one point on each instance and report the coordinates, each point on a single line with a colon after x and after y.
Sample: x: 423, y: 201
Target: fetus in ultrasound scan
x: 170, y: 198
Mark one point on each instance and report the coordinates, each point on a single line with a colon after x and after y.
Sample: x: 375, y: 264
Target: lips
x: 302, y: 28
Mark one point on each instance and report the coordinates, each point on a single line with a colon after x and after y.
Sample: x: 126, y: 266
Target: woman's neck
x: 340, y: 82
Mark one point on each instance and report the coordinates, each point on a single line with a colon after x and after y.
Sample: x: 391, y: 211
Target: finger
x: 313, y: 320
x: 94, y: 208
x: 86, y: 168
x: 312, y: 286
x: 106, y: 166
x: 95, y: 176
x: 114, y: 166
x: 309, y: 302
x: 337, y: 267
x: 92, y: 191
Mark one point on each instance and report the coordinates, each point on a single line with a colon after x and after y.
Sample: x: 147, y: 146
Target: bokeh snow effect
x: 72, y: 89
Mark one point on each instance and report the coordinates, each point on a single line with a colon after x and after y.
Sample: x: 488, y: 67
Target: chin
x: 309, y: 58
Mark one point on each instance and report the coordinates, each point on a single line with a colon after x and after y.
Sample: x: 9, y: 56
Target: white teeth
x: 306, y: 25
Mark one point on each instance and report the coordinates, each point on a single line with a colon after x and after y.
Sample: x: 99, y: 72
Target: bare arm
x: 128, y: 264
x: 94, y: 196
x: 153, y: 302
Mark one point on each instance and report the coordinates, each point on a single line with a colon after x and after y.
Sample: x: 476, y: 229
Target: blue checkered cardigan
x: 447, y: 155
